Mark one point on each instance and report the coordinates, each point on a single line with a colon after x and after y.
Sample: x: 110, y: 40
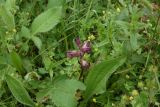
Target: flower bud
x: 78, y: 42
x: 84, y: 64
x: 131, y: 98
x: 74, y: 53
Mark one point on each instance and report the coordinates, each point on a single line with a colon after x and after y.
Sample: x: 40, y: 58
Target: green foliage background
x: 35, y: 36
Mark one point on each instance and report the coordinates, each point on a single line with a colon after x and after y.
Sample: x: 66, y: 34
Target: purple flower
x: 78, y: 42
x: 74, y: 53
x: 84, y: 64
x: 86, y: 47
x: 83, y: 48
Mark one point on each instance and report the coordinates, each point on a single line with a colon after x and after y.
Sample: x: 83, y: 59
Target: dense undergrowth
x: 79, y: 53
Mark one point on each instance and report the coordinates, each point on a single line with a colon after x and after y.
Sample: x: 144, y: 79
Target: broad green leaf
x: 18, y: 91
x: 16, y: 62
x: 68, y: 1
x: 42, y: 94
x: 101, y: 87
x: 37, y: 41
x: 55, y: 3
x: 7, y: 17
x: 63, y: 91
x: 46, y: 20
x: 25, y: 32
x: 97, y: 74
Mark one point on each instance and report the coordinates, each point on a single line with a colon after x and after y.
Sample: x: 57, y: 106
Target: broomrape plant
x: 118, y: 44
x: 83, y: 48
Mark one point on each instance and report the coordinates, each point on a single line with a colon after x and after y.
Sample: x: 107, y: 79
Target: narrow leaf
x: 99, y: 72
x: 47, y: 20
x: 18, y: 91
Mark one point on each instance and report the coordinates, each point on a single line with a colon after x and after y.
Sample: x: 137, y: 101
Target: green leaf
x: 101, y: 87
x: 47, y: 20
x: 97, y: 74
x: 55, y: 3
x: 63, y: 92
x: 10, y: 4
x: 16, y: 62
x: 18, y: 91
x: 123, y: 25
x: 4, y: 61
x: 37, y: 41
x: 47, y: 62
x: 133, y: 41
x: 25, y: 32
x: 7, y: 17
x: 68, y: 1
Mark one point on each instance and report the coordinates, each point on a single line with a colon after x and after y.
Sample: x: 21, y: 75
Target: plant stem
x: 156, y: 77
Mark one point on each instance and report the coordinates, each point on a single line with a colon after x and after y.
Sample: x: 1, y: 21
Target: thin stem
x: 156, y: 77
x: 110, y: 33
x: 155, y: 30
x: 147, y: 58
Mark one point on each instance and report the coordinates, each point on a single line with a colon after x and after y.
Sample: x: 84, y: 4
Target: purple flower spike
x: 74, y: 53
x: 84, y: 64
x: 86, y: 47
x: 78, y: 42
x: 83, y: 48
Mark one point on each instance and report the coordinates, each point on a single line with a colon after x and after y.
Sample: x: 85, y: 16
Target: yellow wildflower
x: 14, y: 30
x: 135, y: 93
x: 94, y: 100
x: 118, y: 10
